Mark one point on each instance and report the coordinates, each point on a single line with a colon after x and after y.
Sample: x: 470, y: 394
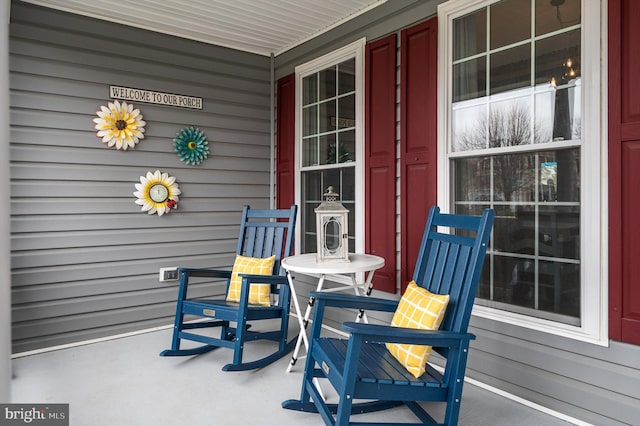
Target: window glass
x: 535, y: 248
x: 470, y: 80
x: 556, y: 15
x: 327, y: 83
x: 510, y: 69
x: 309, y: 120
x: 346, y: 112
x: 310, y: 90
x: 310, y: 151
x: 346, y: 77
x: 518, y: 14
x: 511, y: 92
x: 536, y: 79
x: 470, y: 34
x: 328, y: 145
x: 558, y: 58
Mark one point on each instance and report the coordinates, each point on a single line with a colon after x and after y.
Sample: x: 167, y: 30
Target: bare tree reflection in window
x: 506, y: 127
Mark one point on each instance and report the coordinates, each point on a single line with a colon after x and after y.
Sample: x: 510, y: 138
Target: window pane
x: 310, y: 89
x: 559, y: 231
x: 514, y: 177
x: 473, y: 179
x: 347, y: 146
x: 510, y: 122
x: 328, y: 149
x: 309, y: 120
x: 536, y: 236
x: 510, y: 69
x: 545, y: 101
x: 568, y: 185
x: 347, y: 77
x: 552, y: 16
x: 347, y: 112
x: 469, y: 79
x: 558, y: 114
x: 518, y: 14
x: 310, y: 151
x: 558, y: 58
x: 470, y: 35
x: 327, y: 116
x: 567, y: 117
x: 513, y: 281
x: 469, y: 126
x: 559, y: 290
x: 311, y: 198
x: 327, y: 83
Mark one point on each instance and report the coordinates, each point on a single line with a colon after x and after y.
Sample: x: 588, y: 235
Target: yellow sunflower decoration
x: 120, y: 125
x: 157, y: 193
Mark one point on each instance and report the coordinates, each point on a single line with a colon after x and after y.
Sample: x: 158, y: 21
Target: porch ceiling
x: 256, y: 26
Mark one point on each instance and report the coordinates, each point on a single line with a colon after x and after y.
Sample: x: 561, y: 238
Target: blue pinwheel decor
x: 191, y: 145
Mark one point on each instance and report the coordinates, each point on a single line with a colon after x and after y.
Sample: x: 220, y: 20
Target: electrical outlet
x: 169, y: 274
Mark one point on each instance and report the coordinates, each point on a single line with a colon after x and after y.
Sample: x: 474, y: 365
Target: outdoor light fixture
x: 332, y: 229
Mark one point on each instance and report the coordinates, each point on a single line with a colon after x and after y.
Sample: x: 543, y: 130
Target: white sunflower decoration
x: 157, y: 192
x: 119, y: 124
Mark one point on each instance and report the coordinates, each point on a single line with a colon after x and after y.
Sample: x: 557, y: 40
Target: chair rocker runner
x: 363, y: 372
x: 266, y: 237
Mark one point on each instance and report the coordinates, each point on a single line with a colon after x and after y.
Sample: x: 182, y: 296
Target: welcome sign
x: 153, y: 97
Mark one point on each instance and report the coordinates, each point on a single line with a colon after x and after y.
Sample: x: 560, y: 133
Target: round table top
x: 358, y: 262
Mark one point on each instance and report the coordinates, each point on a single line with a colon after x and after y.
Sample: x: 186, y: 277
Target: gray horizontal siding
x: 591, y: 382
x: 84, y: 258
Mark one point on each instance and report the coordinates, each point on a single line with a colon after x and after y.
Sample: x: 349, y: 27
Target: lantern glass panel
x: 332, y: 235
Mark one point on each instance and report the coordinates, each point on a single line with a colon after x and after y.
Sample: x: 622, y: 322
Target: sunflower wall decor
x: 157, y: 193
x: 119, y: 125
x: 191, y: 145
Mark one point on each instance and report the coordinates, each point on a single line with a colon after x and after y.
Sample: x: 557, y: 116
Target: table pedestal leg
x: 303, y: 321
x: 367, y: 287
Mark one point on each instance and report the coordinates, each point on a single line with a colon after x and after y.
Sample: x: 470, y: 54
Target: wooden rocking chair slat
x: 376, y: 367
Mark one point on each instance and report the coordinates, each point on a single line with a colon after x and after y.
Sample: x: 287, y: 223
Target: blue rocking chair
x: 263, y: 233
x: 361, y: 368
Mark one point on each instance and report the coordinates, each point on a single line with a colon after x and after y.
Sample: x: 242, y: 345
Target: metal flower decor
x: 191, y: 145
x: 157, y: 193
x: 119, y: 125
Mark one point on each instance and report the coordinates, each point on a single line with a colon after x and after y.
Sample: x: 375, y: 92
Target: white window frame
x: 594, y: 194
x: 352, y: 50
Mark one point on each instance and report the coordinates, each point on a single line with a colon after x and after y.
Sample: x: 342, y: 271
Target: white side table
x: 306, y: 264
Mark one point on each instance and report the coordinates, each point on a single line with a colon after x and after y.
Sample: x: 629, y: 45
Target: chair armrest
x: 341, y: 300
x: 272, y: 280
x: 387, y: 333
x: 265, y: 279
x: 205, y: 273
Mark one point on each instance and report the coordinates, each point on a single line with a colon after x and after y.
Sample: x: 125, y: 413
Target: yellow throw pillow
x: 259, y: 294
x: 421, y: 309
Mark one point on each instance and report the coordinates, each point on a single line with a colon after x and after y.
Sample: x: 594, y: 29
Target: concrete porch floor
x: 125, y: 382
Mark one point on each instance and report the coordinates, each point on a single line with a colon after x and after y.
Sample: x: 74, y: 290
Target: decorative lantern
x: 332, y: 229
